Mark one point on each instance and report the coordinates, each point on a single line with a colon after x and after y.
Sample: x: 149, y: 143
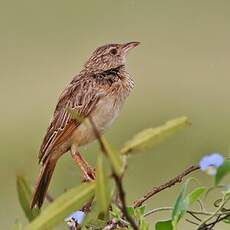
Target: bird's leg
x: 87, y: 171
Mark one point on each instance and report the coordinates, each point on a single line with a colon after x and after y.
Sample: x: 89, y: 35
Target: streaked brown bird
x: 98, y: 91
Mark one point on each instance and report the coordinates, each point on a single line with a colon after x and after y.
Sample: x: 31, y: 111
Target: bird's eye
x: 113, y: 51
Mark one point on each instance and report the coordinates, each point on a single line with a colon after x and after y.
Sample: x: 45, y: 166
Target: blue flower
x: 211, y: 162
x: 75, y: 218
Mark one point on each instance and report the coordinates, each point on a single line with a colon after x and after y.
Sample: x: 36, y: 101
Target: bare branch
x: 123, y: 203
x: 168, y: 184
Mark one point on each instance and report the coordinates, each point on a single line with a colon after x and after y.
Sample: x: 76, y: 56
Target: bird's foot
x: 89, y: 175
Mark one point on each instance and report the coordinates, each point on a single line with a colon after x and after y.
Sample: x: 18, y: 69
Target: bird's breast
x: 103, y: 116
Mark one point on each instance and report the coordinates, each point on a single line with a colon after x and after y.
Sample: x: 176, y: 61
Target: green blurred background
x: 181, y: 68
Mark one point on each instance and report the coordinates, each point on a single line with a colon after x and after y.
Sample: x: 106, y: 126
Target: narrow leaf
x: 67, y: 203
x: 114, y: 157
x: 194, y: 196
x: 183, y: 201
x: 152, y: 136
x: 223, y: 170
x: 102, y: 186
x: 179, y: 206
x: 25, y: 196
x: 164, y: 225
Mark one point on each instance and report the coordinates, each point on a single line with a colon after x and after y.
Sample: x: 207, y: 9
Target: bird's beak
x: 130, y: 45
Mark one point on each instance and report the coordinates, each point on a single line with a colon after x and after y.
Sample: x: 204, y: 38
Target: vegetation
x: 103, y: 203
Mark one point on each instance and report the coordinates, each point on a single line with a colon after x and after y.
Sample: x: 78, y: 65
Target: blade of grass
x: 25, y: 195
x: 102, y: 186
x: 67, y: 203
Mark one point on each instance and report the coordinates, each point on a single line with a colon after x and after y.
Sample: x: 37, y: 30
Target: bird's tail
x: 43, y: 182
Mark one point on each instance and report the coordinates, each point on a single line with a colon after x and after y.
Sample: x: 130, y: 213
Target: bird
x: 98, y: 92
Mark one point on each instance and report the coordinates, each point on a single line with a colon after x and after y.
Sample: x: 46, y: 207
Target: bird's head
x: 109, y: 56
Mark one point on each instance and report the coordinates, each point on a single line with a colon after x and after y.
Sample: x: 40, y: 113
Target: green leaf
x: 164, y: 225
x: 139, y: 216
x: 95, y: 224
x: 130, y: 210
x: 67, y: 203
x: 183, y: 201
x: 180, y: 206
x: 115, y: 212
x: 114, y: 157
x: 194, y: 196
x: 223, y: 170
x: 25, y: 197
x: 227, y: 220
x: 152, y: 136
x: 141, y: 210
x: 103, y: 192
x: 143, y: 225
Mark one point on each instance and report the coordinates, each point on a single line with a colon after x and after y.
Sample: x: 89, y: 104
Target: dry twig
x: 168, y: 184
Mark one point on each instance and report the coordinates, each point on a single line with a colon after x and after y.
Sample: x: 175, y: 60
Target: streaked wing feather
x: 82, y: 96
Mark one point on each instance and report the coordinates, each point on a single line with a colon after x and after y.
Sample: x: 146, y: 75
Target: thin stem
x: 123, y: 202
x: 225, y: 199
x: 117, y: 179
x: 157, y: 210
x: 201, y: 204
x: 194, y: 216
x: 188, y: 211
x: 173, y: 181
x: 191, y: 222
x: 219, y: 218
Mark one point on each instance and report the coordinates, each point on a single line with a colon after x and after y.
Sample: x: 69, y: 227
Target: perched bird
x: 98, y: 91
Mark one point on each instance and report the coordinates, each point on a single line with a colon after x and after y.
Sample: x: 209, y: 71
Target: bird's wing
x: 81, y: 95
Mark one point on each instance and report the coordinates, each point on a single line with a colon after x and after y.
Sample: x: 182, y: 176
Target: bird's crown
x: 109, y: 56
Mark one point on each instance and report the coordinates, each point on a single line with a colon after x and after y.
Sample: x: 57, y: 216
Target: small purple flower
x: 75, y: 218
x: 211, y: 162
